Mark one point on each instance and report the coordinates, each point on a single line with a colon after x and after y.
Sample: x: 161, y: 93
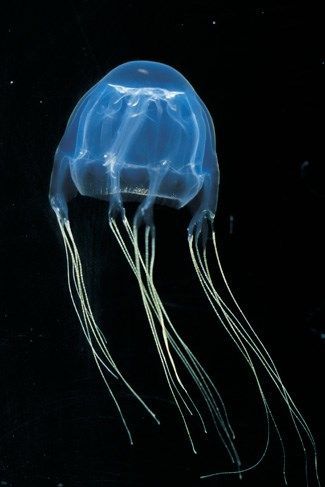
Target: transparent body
x: 143, y: 134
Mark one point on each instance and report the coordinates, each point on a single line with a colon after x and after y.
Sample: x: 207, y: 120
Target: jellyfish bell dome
x: 149, y: 74
x: 141, y: 133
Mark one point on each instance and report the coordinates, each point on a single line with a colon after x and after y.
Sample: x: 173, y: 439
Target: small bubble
x: 11, y: 81
x: 214, y: 22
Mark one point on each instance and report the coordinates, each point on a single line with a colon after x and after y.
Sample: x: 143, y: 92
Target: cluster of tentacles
x: 138, y: 247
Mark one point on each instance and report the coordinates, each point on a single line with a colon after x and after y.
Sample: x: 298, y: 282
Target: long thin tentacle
x: 247, y: 339
x: 152, y: 301
x: 92, y: 331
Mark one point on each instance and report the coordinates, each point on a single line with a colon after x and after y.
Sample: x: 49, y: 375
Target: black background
x: 258, y: 69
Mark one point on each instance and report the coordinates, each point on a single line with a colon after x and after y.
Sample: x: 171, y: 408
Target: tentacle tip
x: 206, y: 476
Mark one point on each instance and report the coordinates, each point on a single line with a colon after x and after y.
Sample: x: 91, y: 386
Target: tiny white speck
x: 41, y: 101
x: 11, y: 82
x: 213, y: 22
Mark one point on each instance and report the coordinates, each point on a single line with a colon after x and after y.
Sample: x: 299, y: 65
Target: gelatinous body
x: 143, y: 134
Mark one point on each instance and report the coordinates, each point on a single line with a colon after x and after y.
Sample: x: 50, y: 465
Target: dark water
x: 258, y: 69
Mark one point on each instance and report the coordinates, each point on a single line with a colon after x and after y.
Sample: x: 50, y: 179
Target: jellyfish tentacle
x: 238, y: 342
x: 201, y: 384
x: 102, y: 345
x: 144, y: 213
x: 232, y: 320
x: 149, y: 300
x: 99, y: 362
x: 149, y: 265
x: 263, y: 358
x: 133, y: 235
x: 76, y: 280
x: 89, y: 325
x: 207, y: 396
x: 234, y: 456
x: 146, y: 296
x: 153, y: 294
x: 267, y: 361
x: 196, y: 364
x: 135, y: 265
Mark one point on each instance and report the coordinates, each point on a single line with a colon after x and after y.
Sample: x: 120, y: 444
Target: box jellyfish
x: 143, y: 134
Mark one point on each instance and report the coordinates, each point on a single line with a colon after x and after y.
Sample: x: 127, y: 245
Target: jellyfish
x: 142, y: 134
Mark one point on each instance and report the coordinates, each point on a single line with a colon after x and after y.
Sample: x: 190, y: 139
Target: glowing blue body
x: 141, y: 133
